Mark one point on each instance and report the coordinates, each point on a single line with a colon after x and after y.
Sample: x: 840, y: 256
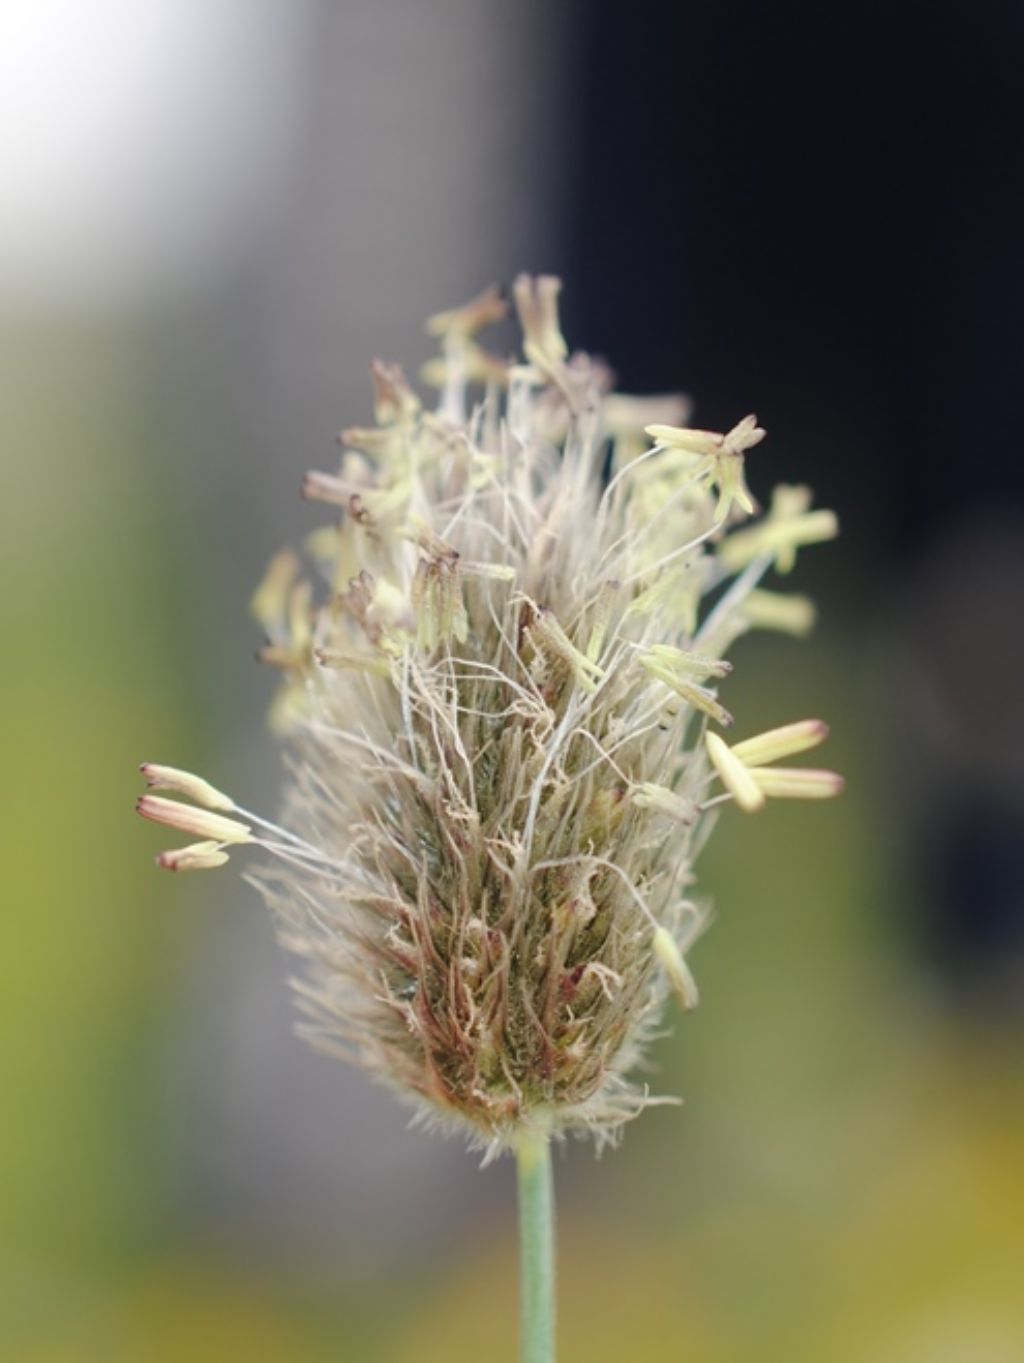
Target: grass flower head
x: 502, y: 699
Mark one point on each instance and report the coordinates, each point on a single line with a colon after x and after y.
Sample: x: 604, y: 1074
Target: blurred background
x: 212, y: 214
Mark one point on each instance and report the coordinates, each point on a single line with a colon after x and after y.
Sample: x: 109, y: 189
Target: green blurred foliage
x: 84, y: 958
x: 844, y: 1183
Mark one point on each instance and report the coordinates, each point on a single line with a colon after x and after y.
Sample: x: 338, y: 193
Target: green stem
x: 536, y: 1248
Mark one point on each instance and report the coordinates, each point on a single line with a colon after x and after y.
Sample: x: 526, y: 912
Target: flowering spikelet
x: 501, y: 706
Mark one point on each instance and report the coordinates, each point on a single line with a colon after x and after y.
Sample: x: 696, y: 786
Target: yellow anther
x: 626, y: 418
x: 497, y: 572
x: 797, y: 783
x: 185, y: 783
x: 668, y: 658
x: 675, y: 967
x: 551, y: 638
x: 788, y: 526
x: 198, y: 856
x: 437, y: 593
x: 786, y: 741
x: 787, y: 613
x: 486, y: 308
x: 395, y: 400
x: 677, y: 592
x: 734, y: 775
x: 300, y: 616
x: 476, y: 365
x: 537, y: 304
x: 375, y: 663
x: 719, y: 458
x: 270, y: 599
x: 749, y: 780
x: 379, y: 443
x: 191, y: 820
x: 682, y: 672
x: 665, y: 801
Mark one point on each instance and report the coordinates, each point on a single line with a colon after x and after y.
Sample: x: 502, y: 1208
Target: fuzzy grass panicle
x: 501, y: 705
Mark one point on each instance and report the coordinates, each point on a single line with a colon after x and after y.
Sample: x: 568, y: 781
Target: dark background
x: 816, y: 213
x: 820, y: 208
